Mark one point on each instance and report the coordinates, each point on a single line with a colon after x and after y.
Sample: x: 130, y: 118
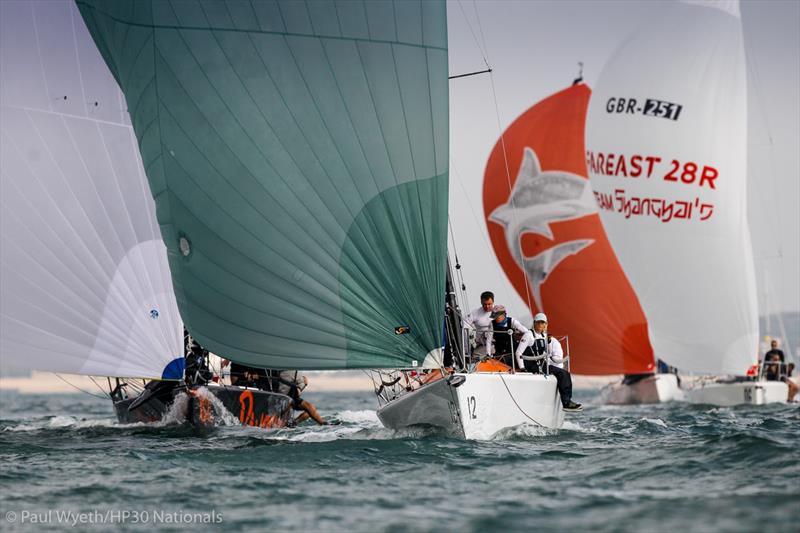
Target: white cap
x: 540, y: 317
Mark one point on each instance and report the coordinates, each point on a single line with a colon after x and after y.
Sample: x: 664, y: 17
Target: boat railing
x: 392, y: 384
x: 783, y: 370
x: 470, y: 338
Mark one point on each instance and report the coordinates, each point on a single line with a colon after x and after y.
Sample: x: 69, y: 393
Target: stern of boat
x: 739, y: 393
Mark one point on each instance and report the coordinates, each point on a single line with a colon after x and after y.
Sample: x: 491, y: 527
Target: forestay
x: 666, y: 149
x: 298, y: 155
x: 85, y: 281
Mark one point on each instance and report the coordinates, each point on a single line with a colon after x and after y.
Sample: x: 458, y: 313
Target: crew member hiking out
x: 545, y: 344
x: 292, y: 383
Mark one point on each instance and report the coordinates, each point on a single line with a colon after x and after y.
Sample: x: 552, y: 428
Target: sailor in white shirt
x: 554, y: 351
x: 556, y: 357
x: 480, y: 321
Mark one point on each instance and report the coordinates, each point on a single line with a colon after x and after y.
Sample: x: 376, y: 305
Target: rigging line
x: 480, y: 26
x: 80, y: 389
x: 502, y: 136
x: 469, y: 203
x: 510, y: 188
x: 100, y: 388
x: 515, y: 403
x: 474, y: 37
x: 461, y: 290
x: 752, y: 66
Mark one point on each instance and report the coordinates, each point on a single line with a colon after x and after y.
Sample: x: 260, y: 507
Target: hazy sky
x: 534, y: 47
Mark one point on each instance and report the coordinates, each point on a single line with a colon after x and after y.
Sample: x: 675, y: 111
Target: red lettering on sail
x: 618, y: 165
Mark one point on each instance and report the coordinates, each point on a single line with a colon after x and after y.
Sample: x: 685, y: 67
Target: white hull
x: 480, y: 407
x: 654, y: 389
x: 739, y: 393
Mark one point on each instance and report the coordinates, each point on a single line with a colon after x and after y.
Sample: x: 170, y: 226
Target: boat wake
x: 63, y: 422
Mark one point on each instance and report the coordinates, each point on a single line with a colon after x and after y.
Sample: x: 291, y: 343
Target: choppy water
x: 655, y: 468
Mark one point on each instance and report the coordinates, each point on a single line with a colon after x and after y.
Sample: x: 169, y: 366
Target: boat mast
x: 453, y: 343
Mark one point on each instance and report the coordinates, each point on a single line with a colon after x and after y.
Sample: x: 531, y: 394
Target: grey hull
x: 434, y: 405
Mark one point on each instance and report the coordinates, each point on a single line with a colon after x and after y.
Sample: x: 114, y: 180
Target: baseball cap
x: 540, y: 317
x: 498, y: 310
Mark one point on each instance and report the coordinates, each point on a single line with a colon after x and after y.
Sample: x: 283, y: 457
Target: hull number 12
x: 471, y: 403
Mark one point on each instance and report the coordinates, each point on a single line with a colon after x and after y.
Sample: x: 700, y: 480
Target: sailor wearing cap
x: 503, y: 332
x: 543, y: 343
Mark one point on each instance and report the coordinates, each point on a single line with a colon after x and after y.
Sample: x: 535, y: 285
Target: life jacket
x: 502, y: 340
x: 540, y: 343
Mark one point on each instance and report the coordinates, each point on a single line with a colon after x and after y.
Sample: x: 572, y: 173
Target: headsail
x: 543, y: 222
x: 666, y: 147
x: 85, y: 282
x: 298, y: 155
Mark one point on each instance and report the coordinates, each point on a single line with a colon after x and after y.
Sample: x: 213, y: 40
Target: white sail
x: 666, y: 142
x: 85, y: 284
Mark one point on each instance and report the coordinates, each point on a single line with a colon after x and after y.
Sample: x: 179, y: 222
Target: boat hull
x: 251, y: 407
x: 739, y: 393
x: 150, y: 411
x: 657, y: 388
x: 214, y: 406
x: 480, y: 406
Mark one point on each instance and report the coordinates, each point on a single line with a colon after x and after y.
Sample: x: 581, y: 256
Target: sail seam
x: 265, y: 32
x: 357, y: 137
x: 247, y: 200
x: 86, y: 246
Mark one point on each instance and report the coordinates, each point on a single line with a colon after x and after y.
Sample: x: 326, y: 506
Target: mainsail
x: 666, y: 147
x: 298, y: 155
x: 85, y: 281
x: 543, y: 222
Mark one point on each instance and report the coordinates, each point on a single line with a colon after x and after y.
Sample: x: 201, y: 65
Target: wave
x: 66, y: 421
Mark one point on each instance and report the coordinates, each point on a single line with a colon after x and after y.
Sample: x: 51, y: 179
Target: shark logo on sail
x: 538, y: 199
x: 545, y: 230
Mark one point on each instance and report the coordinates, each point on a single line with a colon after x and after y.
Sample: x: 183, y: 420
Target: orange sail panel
x: 544, y: 226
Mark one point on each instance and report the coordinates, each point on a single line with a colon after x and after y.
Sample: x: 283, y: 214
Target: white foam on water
x: 177, y: 412
x: 656, y: 422
x: 360, y: 417
x: 574, y: 426
x: 58, y: 422
x: 222, y: 417
x: 355, y: 425
x: 524, y: 430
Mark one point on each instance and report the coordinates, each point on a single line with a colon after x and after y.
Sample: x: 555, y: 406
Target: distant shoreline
x: 328, y: 381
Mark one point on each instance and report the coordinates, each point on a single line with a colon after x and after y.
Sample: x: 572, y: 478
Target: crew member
x: 480, y: 321
x: 546, y: 344
x: 510, y: 337
x: 292, y: 383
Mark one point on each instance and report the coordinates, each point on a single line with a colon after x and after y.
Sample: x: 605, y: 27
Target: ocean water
x: 673, y: 467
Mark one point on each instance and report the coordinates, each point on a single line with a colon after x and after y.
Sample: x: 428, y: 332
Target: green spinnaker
x: 297, y: 152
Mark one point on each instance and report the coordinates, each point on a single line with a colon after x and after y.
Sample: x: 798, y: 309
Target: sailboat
x: 298, y: 157
x: 546, y: 232
x: 85, y: 283
x: 666, y: 150
x: 86, y: 287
